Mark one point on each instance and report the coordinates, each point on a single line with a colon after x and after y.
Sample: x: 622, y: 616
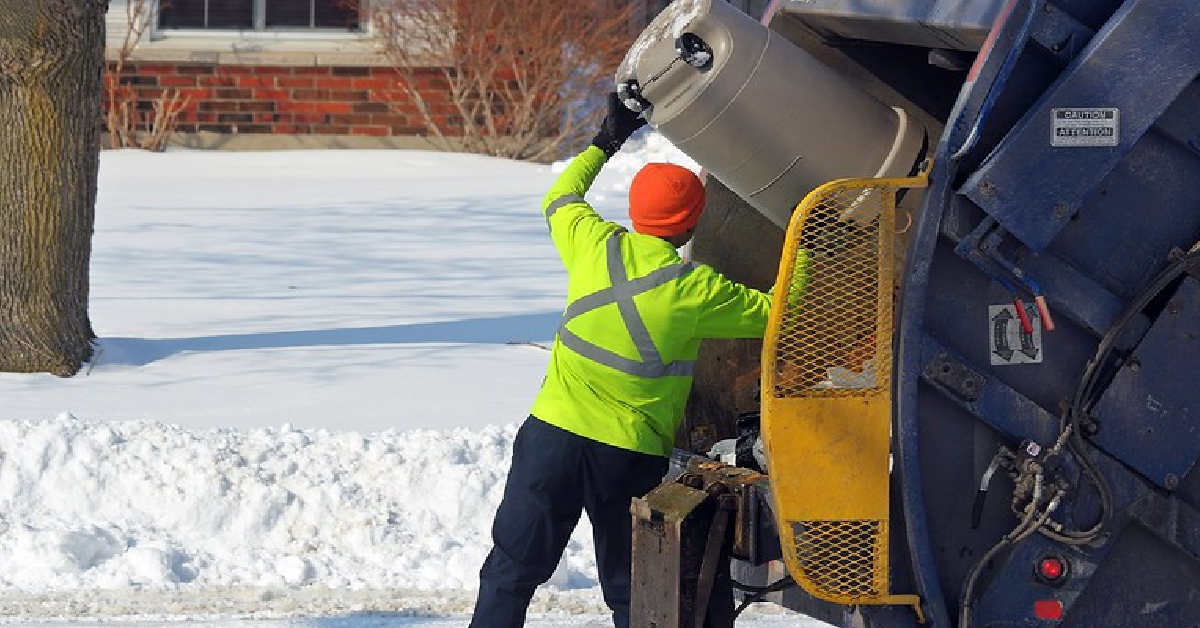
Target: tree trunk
x: 51, y: 64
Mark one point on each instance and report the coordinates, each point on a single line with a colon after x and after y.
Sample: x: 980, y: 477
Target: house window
x: 260, y: 15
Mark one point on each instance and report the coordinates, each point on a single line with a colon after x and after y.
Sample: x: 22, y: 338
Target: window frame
x: 259, y: 30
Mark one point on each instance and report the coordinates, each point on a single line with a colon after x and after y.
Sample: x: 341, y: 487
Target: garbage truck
x: 977, y: 403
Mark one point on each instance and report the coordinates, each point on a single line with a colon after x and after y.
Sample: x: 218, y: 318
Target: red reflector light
x: 1048, y: 609
x: 1051, y: 568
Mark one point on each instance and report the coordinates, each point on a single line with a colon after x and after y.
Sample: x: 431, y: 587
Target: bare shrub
x: 133, y: 122
x: 522, y: 80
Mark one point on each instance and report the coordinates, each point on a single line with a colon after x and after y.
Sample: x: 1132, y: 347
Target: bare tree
x: 51, y: 63
x: 131, y: 124
x: 521, y: 80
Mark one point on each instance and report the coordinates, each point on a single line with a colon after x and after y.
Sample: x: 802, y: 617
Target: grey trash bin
x: 757, y: 112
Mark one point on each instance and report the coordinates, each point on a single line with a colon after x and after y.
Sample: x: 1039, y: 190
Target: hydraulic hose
x: 758, y: 594
x: 1085, y: 394
x: 1026, y: 527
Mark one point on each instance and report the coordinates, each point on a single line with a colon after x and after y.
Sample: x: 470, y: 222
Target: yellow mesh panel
x: 829, y: 342
x: 842, y: 558
x: 827, y: 384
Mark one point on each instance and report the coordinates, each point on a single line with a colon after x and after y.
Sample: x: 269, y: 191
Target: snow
x: 311, y: 368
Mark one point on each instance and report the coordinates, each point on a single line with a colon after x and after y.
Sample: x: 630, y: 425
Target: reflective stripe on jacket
x: 621, y: 366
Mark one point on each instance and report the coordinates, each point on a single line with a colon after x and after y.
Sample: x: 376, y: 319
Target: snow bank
x: 149, y: 505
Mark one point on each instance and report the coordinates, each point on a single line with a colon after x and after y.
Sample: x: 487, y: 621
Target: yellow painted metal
x: 827, y: 390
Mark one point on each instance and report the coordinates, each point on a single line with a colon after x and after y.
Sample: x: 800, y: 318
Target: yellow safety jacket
x: 621, y: 367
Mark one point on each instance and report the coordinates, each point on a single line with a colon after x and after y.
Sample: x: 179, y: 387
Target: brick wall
x: 292, y: 100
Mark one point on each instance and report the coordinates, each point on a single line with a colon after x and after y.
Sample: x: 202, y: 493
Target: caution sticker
x: 1010, y: 343
x: 1084, y: 126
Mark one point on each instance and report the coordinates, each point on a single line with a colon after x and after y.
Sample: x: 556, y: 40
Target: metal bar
x: 1074, y: 294
x: 708, y: 568
x: 994, y: 403
x: 989, y: 99
x: 909, y: 366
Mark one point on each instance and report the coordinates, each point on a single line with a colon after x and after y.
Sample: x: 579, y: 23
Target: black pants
x: 554, y: 475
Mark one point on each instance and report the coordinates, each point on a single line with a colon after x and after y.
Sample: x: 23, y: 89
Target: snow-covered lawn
x: 311, y: 368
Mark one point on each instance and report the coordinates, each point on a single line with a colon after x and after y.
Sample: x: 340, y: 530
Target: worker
x: 603, y: 425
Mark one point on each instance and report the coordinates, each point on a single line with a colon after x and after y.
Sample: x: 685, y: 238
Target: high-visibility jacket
x: 621, y: 366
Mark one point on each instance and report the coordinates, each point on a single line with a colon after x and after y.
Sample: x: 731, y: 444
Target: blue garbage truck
x: 978, y: 402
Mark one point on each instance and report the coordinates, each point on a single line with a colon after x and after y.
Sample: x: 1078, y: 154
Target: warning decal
x: 1084, y: 126
x: 1008, y: 342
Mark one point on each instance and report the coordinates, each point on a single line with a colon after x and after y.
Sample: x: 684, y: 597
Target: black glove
x: 617, y: 126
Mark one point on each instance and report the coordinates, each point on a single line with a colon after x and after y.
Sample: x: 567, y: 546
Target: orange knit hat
x: 665, y: 199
